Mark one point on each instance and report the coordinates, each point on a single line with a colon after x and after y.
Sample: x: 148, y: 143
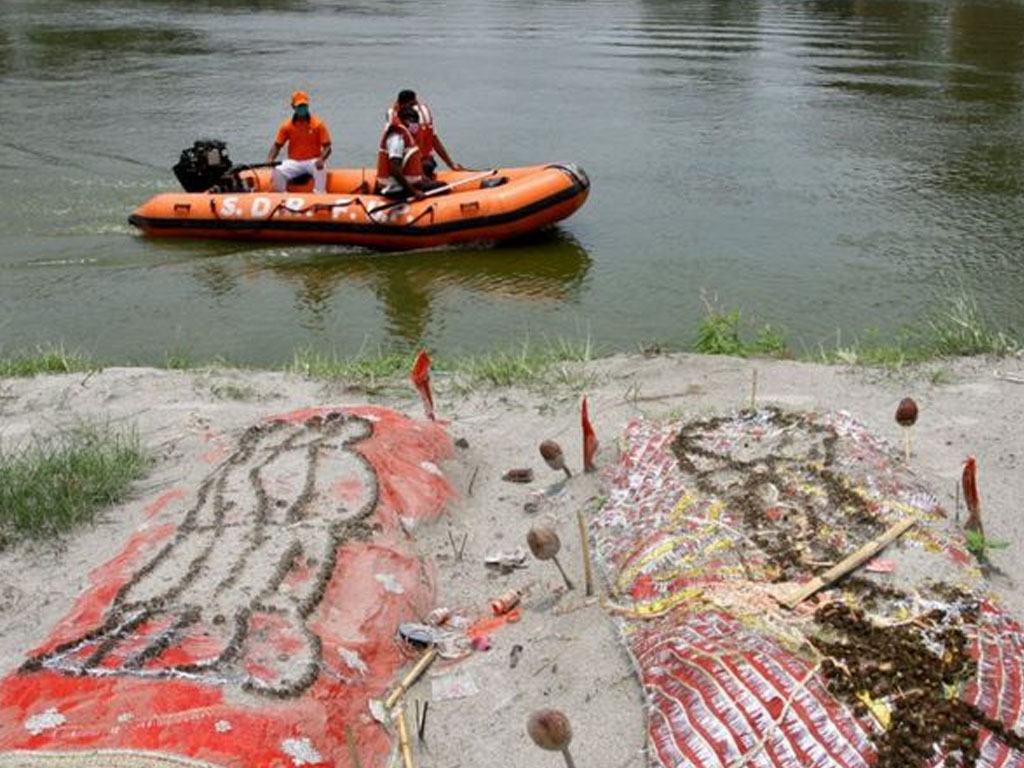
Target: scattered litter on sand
x: 456, y: 685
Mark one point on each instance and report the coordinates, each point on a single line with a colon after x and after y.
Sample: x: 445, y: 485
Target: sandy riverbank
x: 570, y: 658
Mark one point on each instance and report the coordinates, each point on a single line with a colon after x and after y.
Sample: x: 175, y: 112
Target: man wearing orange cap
x: 309, y: 146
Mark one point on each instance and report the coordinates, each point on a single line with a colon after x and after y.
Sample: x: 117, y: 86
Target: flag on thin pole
x: 421, y: 380
x: 970, y: 483
x: 589, y: 440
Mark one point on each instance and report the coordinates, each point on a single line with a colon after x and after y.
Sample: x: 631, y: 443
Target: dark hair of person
x: 409, y: 115
x: 406, y: 97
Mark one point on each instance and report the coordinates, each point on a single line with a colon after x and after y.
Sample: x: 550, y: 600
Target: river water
x: 830, y: 167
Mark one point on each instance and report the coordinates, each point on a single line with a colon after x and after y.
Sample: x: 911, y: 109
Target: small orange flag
x: 970, y: 482
x: 589, y: 440
x: 421, y: 380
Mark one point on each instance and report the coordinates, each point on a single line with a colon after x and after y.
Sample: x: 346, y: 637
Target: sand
x: 570, y: 657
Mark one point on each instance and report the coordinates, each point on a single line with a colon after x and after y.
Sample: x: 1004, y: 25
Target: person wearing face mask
x: 400, y: 160
x: 309, y: 146
x: 427, y: 138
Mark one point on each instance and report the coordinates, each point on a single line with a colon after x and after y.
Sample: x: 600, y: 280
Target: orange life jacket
x: 412, y: 159
x: 425, y: 138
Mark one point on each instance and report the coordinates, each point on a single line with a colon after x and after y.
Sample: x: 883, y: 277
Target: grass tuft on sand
x: 365, y: 368
x: 51, y: 484
x: 954, y: 326
x: 957, y: 327
x: 51, y: 358
x: 721, y: 332
x: 558, y: 361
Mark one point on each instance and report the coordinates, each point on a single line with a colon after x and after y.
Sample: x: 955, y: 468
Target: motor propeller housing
x: 204, y: 165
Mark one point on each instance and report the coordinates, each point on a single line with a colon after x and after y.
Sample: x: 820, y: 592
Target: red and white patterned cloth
x: 728, y: 674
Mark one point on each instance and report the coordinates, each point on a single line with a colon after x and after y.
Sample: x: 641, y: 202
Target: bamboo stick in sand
x: 849, y: 563
x: 588, y: 576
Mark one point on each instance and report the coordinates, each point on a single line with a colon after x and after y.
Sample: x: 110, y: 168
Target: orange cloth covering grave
x: 250, y: 619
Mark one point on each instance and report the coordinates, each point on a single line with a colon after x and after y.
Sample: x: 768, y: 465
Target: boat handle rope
x: 429, y: 209
x: 371, y: 215
x: 371, y: 212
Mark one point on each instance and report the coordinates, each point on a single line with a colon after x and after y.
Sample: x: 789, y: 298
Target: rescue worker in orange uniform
x: 427, y: 138
x: 309, y: 146
x: 399, y: 159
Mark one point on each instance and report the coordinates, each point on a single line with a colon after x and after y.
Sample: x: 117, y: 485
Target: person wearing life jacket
x: 309, y: 146
x: 399, y: 160
x: 427, y: 139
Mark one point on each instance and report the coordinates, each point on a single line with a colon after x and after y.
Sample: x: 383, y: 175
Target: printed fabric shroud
x: 906, y: 662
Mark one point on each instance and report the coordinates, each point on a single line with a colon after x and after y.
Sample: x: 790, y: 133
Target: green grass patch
x: 50, y: 485
x: 362, y: 368
x: 45, y: 359
x: 551, y: 362
x: 559, y: 361
x: 180, y: 359
x: 940, y: 376
x: 232, y: 391
x: 979, y: 546
x: 723, y: 332
x: 719, y: 334
x: 954, y: 326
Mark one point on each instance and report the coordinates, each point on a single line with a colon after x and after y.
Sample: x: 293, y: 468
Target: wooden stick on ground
x: 403, y: 735
x: 956, y: 485
x: 849, y: 563
x: 414, y: 674
x: 1016, y: 378
x: 421, y: 723
x: 588, y: 576
x: 353, y: 753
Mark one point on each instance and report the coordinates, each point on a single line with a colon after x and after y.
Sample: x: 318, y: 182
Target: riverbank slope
x: 568, y: 655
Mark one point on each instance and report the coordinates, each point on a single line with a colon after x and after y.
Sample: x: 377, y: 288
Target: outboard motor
x: 204, y: 165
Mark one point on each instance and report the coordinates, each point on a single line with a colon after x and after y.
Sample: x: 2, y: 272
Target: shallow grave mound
x: 250, y: 619
x: 710, y: 525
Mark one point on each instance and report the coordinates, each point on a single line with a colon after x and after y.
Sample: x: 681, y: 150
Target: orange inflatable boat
x: 475, y: 205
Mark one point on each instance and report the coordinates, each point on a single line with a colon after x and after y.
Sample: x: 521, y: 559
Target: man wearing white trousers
x: 309, y: 146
